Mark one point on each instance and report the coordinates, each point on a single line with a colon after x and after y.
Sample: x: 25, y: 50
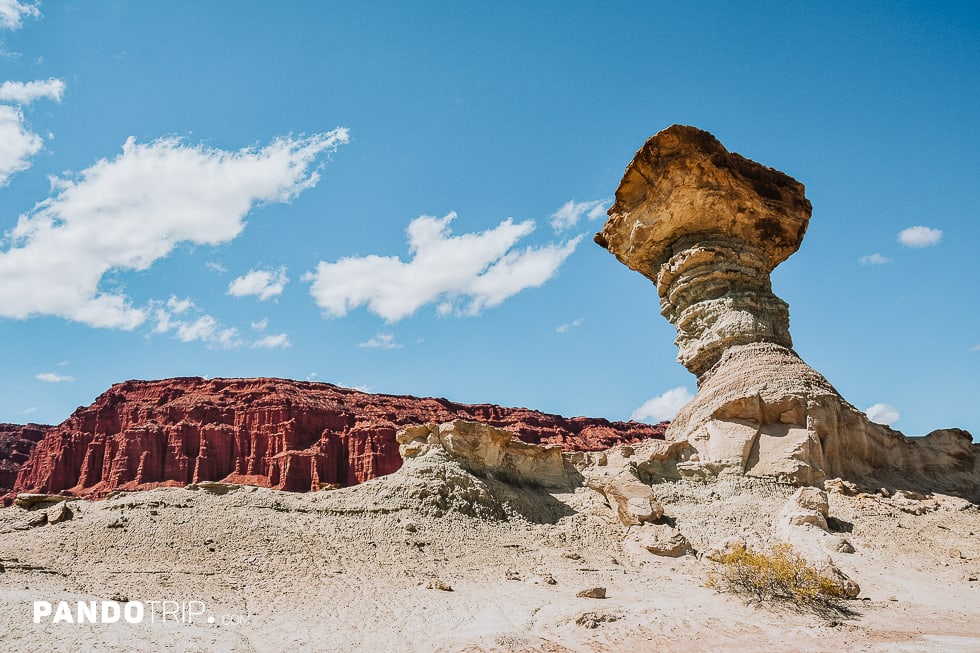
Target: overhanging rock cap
x: 684, y: 184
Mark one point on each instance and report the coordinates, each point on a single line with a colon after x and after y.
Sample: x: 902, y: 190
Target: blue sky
x: 401, y: 196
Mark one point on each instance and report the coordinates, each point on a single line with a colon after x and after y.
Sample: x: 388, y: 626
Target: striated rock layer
x: 486, y: 450
x: 288, y: 435
x: 708, y: 226
x: 17, y: 441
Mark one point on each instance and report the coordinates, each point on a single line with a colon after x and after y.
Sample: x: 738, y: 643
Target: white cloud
x: 919, y: 236
x: 277, y: 341
x: 874, y: 259
x: 359, y: 388
x: 564, y: 328
x: 882, y: 414
x: 128, y: 212
x: 200, y: 327
x: 663, y: 407
x: 481, y: 267
x: 27, y: 92
x: 53, y: 377
x: 381, y: 341
x: 17, y: 143
x: 179, y: 306
x: 28, y: 411
x: 12, y: 13
x: 197, y: 326
x: 260, y: 283
x: 975, y: 348
x: 571, y: 212
x: 216, y: 267
x: 209, y: 331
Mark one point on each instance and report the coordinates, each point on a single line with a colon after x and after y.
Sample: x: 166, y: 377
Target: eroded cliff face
x: 17, y: 441
x: 288, y: 435
x: 708, y: 226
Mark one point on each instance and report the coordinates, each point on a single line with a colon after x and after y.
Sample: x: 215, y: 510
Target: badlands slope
x: 359, y: 569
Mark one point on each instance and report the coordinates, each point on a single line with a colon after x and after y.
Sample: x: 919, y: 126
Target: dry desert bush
x: 778, y: 576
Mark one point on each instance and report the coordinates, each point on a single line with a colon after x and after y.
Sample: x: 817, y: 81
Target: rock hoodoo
x: 708, y: 226
x: 288, y: 435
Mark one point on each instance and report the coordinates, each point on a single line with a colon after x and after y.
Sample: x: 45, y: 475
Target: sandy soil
x: 358, y: 569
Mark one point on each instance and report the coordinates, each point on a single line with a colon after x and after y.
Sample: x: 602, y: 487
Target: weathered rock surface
x: 485, y: 450
x: 612, y: 474
x: 289, y: 435
x: 807, y: 507
x: 707, y: 227
x: 28, y: 500
x: 17, y: 441
x: 658, y: 539
x: 592, y: 593
x: 59, y: 513
x: 802, y: 523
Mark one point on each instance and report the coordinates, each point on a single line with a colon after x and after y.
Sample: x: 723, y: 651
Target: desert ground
x: 433, y: 558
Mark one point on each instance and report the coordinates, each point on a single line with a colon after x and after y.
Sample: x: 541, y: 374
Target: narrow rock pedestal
x: 708, y: 226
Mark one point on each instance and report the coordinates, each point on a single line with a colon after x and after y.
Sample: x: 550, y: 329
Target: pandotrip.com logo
x: 131, y: 612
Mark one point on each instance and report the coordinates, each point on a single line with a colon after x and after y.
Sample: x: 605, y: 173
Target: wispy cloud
x: 359, y: 388
x: 478, y: 270
x: 179, y: 306
x: 128, y: 212
x: 975, y: 348
x: 571, y: 212
x: 273, y: 341
x: 13, y: 12
x: 564, y: 328
x: 27, y: 92
x: 381, y: 341
x: 920, y: 236
x: 193, y: 325
x: 663, y: 407
x: 874, y: 259
x: 18, y: 144
x: 882, y: 414
x: 54, y: 377
x: 209, y: 331
x: 260, y: 283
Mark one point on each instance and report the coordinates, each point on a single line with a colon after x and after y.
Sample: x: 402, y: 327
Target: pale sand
x: 347, y: 570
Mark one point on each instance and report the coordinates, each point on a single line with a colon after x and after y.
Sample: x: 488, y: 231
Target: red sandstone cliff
x: 17, y: 441
x: 289, y: 435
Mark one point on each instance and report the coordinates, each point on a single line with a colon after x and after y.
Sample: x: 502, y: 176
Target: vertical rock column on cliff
x: 17, y: 442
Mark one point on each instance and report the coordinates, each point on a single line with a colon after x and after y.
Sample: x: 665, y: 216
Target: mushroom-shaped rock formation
x: 708, y: 226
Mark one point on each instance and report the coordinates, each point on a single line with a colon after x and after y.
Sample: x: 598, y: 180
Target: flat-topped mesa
x: 708, y: 226
x: 288, y: 435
